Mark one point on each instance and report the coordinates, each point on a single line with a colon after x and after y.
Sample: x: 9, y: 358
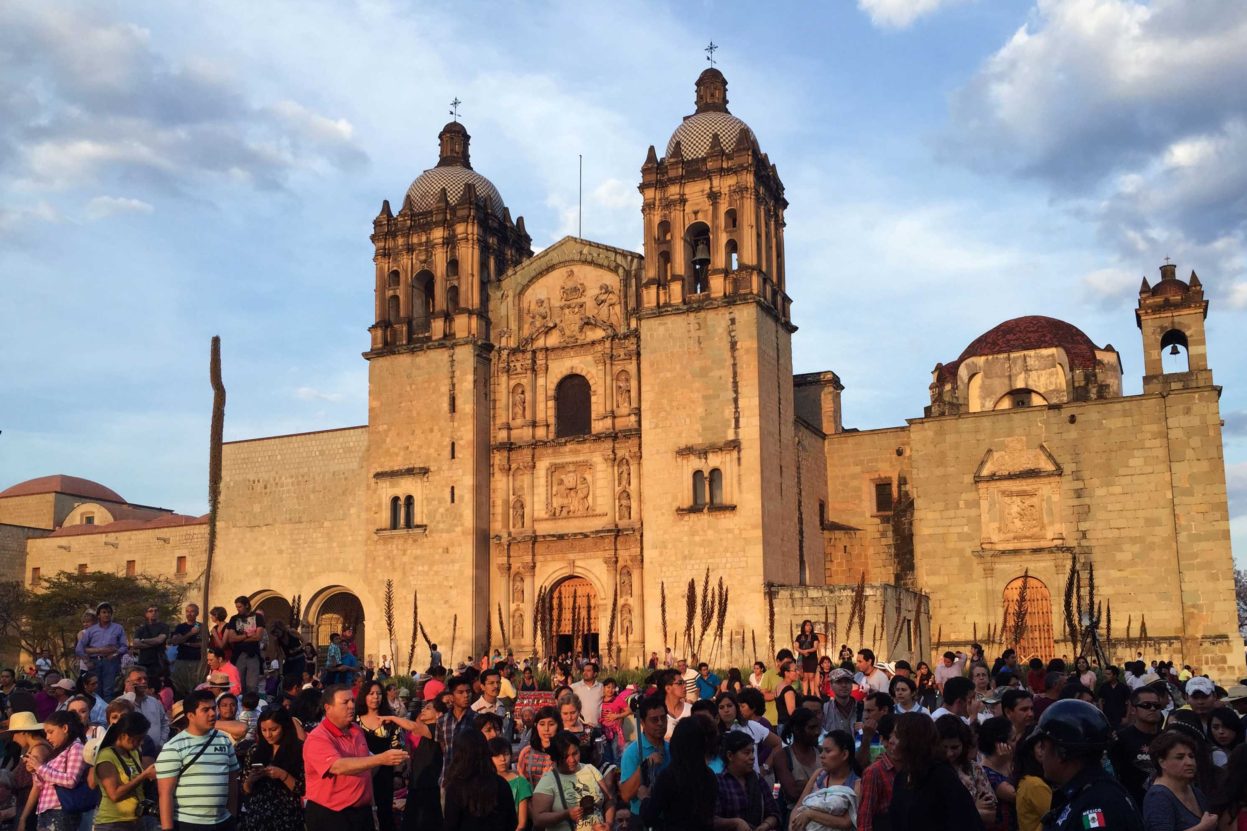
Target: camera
x: 147, y: 808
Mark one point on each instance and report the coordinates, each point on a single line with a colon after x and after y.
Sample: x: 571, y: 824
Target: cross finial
x: 454, y: 108
x: 1166, y: 261
x: 710, y: 50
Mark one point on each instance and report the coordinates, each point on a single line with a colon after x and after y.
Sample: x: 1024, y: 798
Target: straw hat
x: 176, y: 713
x: 23, y: 723
x: 1236, y: 693
x: 218, y: 679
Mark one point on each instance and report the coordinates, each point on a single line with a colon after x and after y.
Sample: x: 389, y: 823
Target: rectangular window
x: 129, y: 568
x: 452, y: 494
x: 35, y: 573
x: 452, y: 402
x: 88, y: 519
x: 181, y: 566
x: 82, y: 568
x: 452, y: 450
x: 883, y: 497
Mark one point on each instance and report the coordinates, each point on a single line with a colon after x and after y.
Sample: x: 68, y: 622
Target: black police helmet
x: 1075, y: 725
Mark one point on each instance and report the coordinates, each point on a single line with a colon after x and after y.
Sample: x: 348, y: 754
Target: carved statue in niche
x: 623, y: 389
x: 517, y: 589
x: 518, y: 404
x: 569, y: 491
x: 607, y: 302
x: 625, y: 474
x: 572, y: 288
x: 625, y: 505
x: 625, y: 582
x: 517, y: 624
x: 625, y: 622
x: 517, y: 513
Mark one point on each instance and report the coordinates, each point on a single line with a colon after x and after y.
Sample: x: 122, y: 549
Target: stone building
x: 586, y: 430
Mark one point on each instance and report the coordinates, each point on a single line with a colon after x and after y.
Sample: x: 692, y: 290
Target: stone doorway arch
x: 575, y: 615
x: 1036, y: 615
x: 330, y: 610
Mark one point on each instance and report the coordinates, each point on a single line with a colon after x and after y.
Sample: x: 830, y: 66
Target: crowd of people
x: 239, y: 724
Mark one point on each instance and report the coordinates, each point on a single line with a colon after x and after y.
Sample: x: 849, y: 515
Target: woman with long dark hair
x: 477, y: 798
x: 927, y: 793
x: 573, y: 794
x: 293, y: 661
x: 64, y: 768
x: 1225, y: 732
x: 683, y: 796
x: 120, y: 773
x: 537, y: 758
x: 806, y: 643
x: 734, y: 683
x: 838, y: 767
x: 797, y: 763
x: 786, y: 697
x: 731, y: 720
x: 824, y: 678
x: 89, y: 686
x: 273, y: 776
x: 1231, y: 798
x: 743, y: 795
x: 845, y: 658
x: 1032, y: 795
x: 928, y: 693
x: 219, y: 635
x: 961, y: 752
x: 374, y: 716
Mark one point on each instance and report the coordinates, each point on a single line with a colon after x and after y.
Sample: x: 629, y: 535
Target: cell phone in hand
x: 587, y: 803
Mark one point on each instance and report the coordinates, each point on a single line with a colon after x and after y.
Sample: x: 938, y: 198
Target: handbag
x: 79, y: 799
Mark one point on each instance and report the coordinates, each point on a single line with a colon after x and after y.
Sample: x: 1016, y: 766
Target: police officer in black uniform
x: 1073, y: 736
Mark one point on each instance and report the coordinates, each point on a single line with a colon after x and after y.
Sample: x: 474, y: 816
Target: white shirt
x: 944, y: 711
x: 756, y: 732
x: 590, y: 701
x: 671, y: 722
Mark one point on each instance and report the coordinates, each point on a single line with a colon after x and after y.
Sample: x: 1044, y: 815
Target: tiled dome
x: 61, y: 483
x: 695, y: 132
x: 425, y: 191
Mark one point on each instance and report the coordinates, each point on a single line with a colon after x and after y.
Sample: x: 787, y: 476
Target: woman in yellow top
x: 1033, y: 797
x: 121, y: 775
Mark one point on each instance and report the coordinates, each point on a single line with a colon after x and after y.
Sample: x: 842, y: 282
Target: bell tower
x: 713, y: 210
x: 716, y: 363
x: 1171, y: 317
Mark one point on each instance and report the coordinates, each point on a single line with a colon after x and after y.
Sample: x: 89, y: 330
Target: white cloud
x: 1237, y: 296
x: 1109, y: 286
x: 105, y: 206
x: 899, y: 14
x: 313, y: 394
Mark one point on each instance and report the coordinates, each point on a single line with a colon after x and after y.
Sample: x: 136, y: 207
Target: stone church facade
x: 586, y: 430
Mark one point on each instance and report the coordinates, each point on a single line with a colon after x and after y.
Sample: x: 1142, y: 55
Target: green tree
x: 51, y: 616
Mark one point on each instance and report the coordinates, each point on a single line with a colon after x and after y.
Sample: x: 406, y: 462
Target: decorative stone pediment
x: 1015, y: 460
x: 1019, y: 490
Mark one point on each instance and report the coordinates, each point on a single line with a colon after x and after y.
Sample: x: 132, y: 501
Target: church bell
x: 701, y: 254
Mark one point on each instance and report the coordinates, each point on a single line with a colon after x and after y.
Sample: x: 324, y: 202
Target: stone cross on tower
x: 710, y: 50
x: 454, y: 108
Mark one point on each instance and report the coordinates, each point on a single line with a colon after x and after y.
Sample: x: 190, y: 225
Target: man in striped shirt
x: 198, y: 790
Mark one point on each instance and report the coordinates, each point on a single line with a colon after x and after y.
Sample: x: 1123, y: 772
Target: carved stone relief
x: 517, y: 512
x: 517, y: 589
x: 517, y: 624
x: 569, y: 309
x: 570, y: 490
x: 519, y: 409
x: 625, y: 582
x: 624, y: 478
x: 625, y: 622
x: 625, y: 505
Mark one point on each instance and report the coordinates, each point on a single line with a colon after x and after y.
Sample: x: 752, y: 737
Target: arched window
x: 664, y: 231
x: 452, y: 269
x: 697, y: 256
x: 1174, y: 352
x: 396, y: 508
x: 1020, y: 398
x: 1028, y: 630
x: 573, y: 407
x: 699, y: 489
x: 394, y: 279
x: 409, y: 512
x: 730, y: 256
x: 392, y: 309
x: 729, y: 219
x: 716, y: 487
x: 421, y: 302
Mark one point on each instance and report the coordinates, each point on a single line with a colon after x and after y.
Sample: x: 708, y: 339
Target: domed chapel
x: 559, y: 445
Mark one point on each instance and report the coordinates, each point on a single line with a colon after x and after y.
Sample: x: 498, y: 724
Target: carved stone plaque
x: 570, y: 490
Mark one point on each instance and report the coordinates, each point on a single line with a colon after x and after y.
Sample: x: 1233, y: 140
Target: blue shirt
x: 707, y: 687
x: 633, y: 755
x: 97, y: 637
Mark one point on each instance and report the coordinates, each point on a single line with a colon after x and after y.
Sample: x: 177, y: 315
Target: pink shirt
x: 324, y: 746
x: 65, y: 770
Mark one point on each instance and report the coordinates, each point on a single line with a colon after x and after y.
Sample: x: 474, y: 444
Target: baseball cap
x: 1199, y: 685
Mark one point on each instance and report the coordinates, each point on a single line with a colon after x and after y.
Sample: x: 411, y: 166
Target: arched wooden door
x: 1035, y: 621
x: 575, y: 616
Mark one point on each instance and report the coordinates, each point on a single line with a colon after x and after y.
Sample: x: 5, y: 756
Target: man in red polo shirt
x: 339, y: 768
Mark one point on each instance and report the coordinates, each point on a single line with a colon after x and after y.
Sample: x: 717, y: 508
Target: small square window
x: 88, y: 519
x: 82, y: 568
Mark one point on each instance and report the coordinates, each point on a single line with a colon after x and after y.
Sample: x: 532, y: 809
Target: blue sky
x: 168, y: 173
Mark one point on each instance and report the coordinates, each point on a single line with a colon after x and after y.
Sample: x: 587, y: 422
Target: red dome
x: 1170, y: 288
x: 61, y: 483
x: 1026, y: 333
